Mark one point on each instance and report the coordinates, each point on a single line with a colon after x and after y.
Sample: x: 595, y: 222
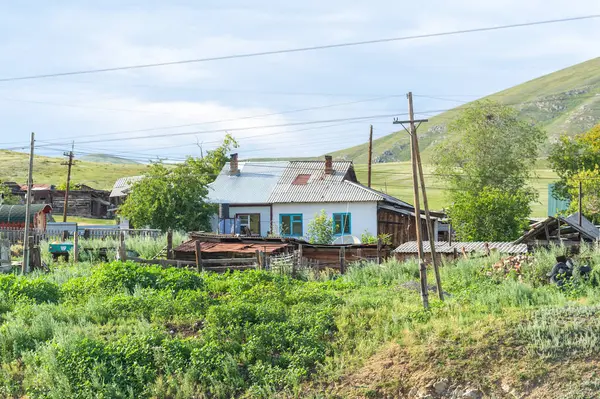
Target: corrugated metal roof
x: 16, y: 213
x: 477, y: 246
x: 586, y: 227
x: 237, y: 247
x: 253, y: 185
x: 320, y: 187
x: 122, y: 185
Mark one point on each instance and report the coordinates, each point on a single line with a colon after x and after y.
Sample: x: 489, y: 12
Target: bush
x: 36, y: 289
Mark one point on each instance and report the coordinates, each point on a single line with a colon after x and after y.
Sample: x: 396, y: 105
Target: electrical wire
x: 299, y: 49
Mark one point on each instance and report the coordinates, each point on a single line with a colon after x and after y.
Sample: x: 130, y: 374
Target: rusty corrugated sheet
x: 237, y: 247
x: 478, y: 246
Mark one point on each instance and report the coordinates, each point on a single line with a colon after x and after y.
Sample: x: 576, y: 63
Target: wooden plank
x: 198, y: 256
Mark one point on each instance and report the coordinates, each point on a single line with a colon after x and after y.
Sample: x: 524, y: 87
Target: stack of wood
x: 511, y: 263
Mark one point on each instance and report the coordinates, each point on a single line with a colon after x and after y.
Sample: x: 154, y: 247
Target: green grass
x: 395, y: 178
x: 90, y: 221
x: 47, y: 170
x: 576, y: 111
x: 128, y: 331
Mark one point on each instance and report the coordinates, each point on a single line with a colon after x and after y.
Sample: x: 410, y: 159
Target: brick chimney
x: 328, y: 165
x: 233, y: 165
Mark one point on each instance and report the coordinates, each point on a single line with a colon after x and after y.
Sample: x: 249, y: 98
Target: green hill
x: 47, y: 170
x: 566, y: 101
x: 106, y: 158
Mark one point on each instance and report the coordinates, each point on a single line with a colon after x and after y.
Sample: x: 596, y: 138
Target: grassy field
x: 48, y: 170
x: 89, y: 221
x: 122, y: 330
x: 395, y: 178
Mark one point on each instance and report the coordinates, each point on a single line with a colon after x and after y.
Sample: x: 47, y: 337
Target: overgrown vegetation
x: 122, y: 330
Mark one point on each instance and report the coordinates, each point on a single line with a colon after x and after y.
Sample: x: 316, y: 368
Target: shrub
x: 36, y: 289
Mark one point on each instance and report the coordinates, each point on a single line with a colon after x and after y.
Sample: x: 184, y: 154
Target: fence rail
x: 17, y: 235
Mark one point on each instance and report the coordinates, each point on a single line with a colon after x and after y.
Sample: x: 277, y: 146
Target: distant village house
x: 281, y: 198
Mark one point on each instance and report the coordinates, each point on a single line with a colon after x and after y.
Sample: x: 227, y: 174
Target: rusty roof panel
x: 237, y: 247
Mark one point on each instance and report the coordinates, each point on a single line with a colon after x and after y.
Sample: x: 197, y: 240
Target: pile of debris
x: 512, y: 264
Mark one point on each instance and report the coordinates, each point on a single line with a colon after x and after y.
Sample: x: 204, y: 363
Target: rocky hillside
x: 566, y: 101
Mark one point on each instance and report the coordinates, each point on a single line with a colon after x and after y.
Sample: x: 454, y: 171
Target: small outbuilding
x: 559, y: 230
x: 13, y: 216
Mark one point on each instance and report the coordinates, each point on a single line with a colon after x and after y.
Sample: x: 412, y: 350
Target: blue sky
x: 44, y: 37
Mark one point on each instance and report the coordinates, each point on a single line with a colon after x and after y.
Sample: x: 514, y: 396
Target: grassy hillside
x: 395, y: 178
x: 124, y: 330
x: 106, y: 158
x: 566, y: 101
x: 47, y: 170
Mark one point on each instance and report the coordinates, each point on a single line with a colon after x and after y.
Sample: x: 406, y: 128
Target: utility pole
x: 417, y: 172
x: 69, y: 163
x: 370, y: 154
x: 430, y: 232
x: 25, y: 266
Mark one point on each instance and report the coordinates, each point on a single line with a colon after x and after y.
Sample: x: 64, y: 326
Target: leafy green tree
x: 174, y: 197
x: 320, y: 229
x: 573, y: 155
x: 487, y: 161
x: 8, y: 197
x: 590, y: 188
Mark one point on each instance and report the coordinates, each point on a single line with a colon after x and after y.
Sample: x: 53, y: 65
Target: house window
x: 249, y: 223
x: 290, y: 225
x: 342, y: 224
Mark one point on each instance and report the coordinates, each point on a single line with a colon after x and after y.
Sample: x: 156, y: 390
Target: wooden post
x: 76, y: 247
x: 417, y: 205
x: 370, y: 155
x: 198, y: 256
x: 342, y: 260
x: 122, y: 249
x: 25, y: 266
x: 379, y: 245
x: 258, y: 259
x: 170, y: 244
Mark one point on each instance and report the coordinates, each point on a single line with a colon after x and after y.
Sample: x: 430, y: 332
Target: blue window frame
x: 290, y: 224
x: 342, y: 224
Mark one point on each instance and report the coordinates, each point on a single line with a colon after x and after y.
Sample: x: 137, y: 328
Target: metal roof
x: 122, y: 185
x: 237, y: 247
x: 320, y: 187
x: 477, y: 246
x: 587, y: 228
x: 16, y: 213
x: 253, y: 185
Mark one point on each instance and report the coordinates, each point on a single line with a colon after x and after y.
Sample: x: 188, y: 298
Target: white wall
x: 264, y: 211
x: 363, y: 214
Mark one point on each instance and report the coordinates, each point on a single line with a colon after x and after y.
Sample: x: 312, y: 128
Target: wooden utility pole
x: 417, y: 172
x: 69, y: 164
x: 26, y: 248
x: 370, y: 154
x: 430, y: 232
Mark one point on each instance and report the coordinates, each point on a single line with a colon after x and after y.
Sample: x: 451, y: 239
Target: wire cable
x: 299, y: 49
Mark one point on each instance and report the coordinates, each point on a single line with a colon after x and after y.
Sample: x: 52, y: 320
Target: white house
x: 281, y: 198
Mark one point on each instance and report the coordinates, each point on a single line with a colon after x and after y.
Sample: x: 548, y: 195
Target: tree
x: 590, y: 188
x: 573, y: 155
x: 174, y: 197
x: 320, y: 229
x: 487, y: 161
x: 7, y: 197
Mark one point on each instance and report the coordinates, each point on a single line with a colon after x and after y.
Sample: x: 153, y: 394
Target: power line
x: 299, y: 49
